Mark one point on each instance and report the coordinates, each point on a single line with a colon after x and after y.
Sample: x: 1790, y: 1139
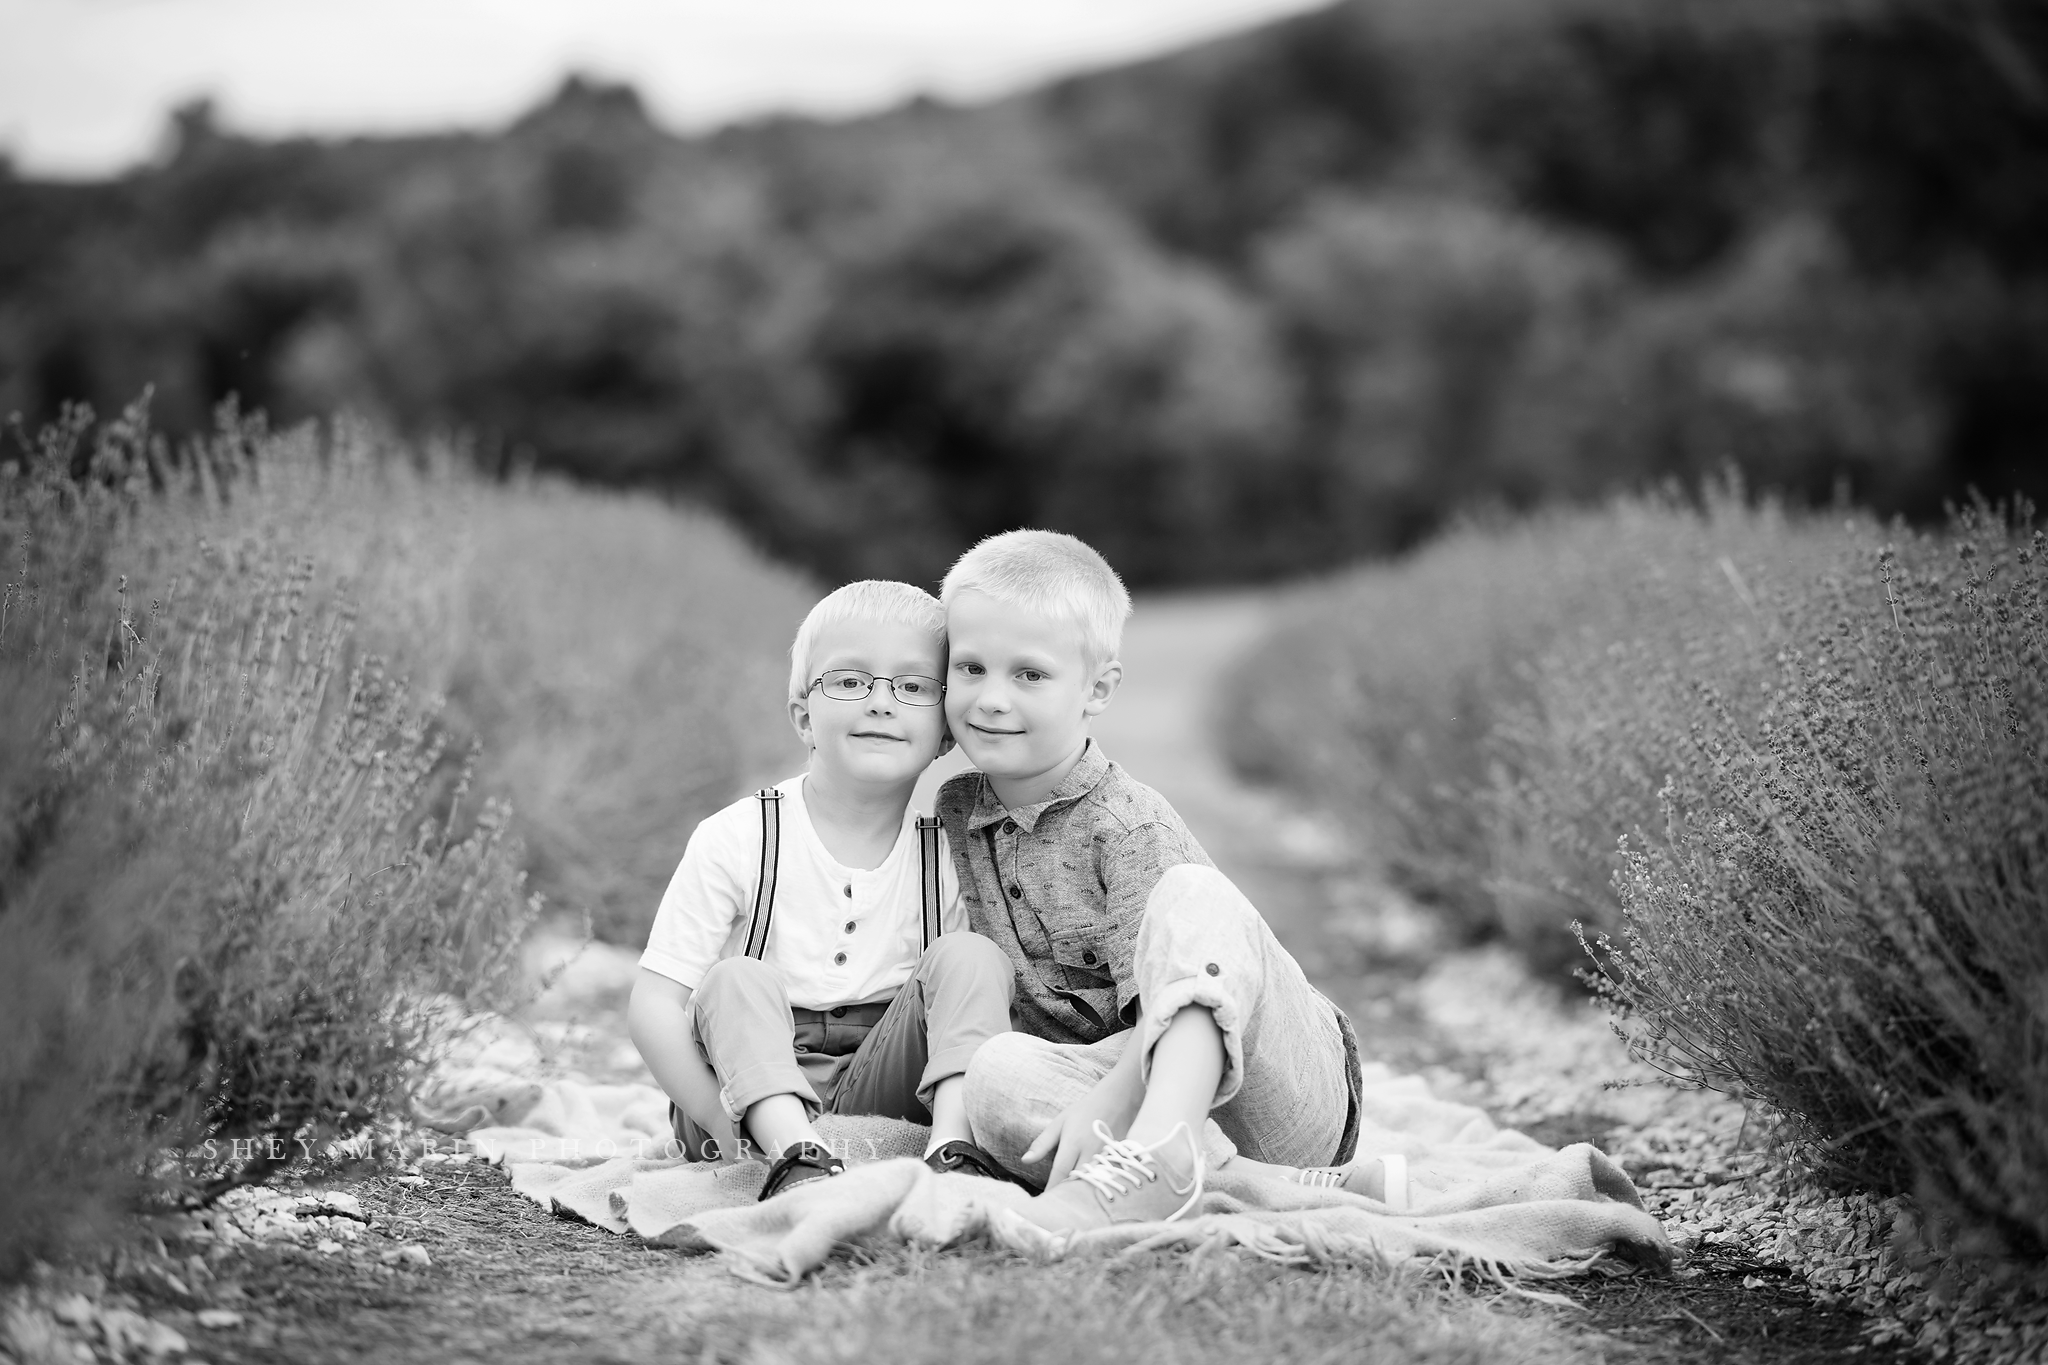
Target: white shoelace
x: 1322, y: 1179
x: 1121, y: 1167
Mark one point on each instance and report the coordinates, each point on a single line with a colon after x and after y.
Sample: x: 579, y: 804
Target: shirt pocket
x: 1082, y: 956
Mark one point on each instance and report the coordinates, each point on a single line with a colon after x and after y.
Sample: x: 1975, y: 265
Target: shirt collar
x: 1092, y: 767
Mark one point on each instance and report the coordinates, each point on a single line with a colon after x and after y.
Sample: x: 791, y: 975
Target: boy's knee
x: 971, y: 957
x: 732, y: 978
x: 1203, y: 892
x: 993, y: 1070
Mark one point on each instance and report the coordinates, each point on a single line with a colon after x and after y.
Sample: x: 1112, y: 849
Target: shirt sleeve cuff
x: 1127, y: 1003
x: 674, y: 968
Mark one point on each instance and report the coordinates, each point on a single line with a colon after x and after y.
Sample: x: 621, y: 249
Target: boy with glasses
x: 810, y: 954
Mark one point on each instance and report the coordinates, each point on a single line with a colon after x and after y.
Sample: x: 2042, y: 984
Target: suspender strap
x: 764, y: 889
x: 928, y: 875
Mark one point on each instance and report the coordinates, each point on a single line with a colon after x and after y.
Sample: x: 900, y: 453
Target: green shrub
x: 1841, y: 910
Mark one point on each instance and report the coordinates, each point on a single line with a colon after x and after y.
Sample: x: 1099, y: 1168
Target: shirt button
x: 849, y: 926
x: 1015, y: 891
x: 1009, y: 826
x: 1088, y: 958
x: 839, y: 1012
x: 839, y: 959
x: 1213, y: 969
x: 849, y: 888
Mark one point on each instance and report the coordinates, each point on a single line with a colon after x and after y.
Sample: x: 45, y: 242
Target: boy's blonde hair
x: 1055, y: 575
x: 871, y: 599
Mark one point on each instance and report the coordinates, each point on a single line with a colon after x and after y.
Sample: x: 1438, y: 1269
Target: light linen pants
x: 1290, y: 1070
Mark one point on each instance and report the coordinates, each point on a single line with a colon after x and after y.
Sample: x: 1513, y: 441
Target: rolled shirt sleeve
x: 1129, y: 868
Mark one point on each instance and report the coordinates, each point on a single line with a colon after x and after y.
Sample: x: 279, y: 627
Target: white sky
x: 85, y: 84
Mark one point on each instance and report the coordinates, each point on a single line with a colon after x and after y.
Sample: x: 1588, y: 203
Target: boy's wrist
x: 1122, y: 1091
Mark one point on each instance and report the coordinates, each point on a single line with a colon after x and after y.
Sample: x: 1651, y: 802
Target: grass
x: 1790, y: 776
x: 250, y: 855
x: 516, y: 1284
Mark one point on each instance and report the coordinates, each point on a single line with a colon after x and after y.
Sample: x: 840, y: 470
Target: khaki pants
x: 881, y: 1058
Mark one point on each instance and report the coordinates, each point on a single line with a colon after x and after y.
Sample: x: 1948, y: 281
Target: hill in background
x: 1260, y: 306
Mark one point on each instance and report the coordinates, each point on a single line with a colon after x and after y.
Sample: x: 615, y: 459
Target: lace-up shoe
x: 1381, y: 1178
x: 1124, y: 1183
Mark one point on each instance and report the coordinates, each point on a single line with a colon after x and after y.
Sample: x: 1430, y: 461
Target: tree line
x: 1261, y: 306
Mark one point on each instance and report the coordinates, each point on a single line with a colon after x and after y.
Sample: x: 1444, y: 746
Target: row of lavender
x: 1789, y: 773
x: 263, y: 697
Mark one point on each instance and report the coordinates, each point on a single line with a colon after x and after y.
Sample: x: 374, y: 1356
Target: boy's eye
x: 1032, y: 675
x: 918, y: 688
x: 971, y: 670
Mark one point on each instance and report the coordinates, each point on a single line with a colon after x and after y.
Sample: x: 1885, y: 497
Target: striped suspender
x: 764, y: 890
x: 928, y: 875
x: 771, y: 849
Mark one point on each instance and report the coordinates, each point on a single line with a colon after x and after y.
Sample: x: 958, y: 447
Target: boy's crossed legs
x: 910, y: 1065
x: 1234, y: 1044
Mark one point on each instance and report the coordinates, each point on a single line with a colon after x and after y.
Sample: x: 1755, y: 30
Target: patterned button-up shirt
x: 1061, y: 886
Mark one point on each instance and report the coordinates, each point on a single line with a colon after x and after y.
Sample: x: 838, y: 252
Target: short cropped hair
x: 871, y: 599
x: 1055, y: 575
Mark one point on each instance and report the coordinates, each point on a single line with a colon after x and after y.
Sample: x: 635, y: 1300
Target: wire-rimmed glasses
x: 853, y: 684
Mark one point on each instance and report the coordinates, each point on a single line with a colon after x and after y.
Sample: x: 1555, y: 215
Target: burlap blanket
x: 1485, y: 1198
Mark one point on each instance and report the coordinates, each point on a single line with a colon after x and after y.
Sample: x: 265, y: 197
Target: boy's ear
x: 800, y: 717
x: 1103, y: 688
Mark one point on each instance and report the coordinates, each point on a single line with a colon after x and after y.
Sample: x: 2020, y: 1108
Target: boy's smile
x: 1019, y: 694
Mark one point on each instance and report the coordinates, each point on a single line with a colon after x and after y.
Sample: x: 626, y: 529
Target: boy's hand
x: 1070, y: 1138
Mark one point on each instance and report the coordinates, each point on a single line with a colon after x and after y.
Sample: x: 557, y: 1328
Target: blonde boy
x: 1150, y: 994
x: 809, y: 956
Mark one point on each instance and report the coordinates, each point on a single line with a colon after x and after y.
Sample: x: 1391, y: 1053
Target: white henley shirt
x: 840, y: 935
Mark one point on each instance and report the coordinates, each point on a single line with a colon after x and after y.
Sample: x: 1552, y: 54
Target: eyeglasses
x: 851, y: 684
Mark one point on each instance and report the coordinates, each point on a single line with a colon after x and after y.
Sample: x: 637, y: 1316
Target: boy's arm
x: 658, y: 1018
x: 1070, y: 1138
x: 1128, y: 870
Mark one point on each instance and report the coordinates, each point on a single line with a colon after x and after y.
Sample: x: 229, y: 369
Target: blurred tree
x: 1929, y: 134
x: 1210, y: 148
x: 1279, y: 300
x: 1653, y: 130
x: 1785, y: 366
x: 1408, y: 321
x: 1026, y: 361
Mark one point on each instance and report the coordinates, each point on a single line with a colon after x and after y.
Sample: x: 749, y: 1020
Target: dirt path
x: 1316, y: 888
x: 452, y: 1266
